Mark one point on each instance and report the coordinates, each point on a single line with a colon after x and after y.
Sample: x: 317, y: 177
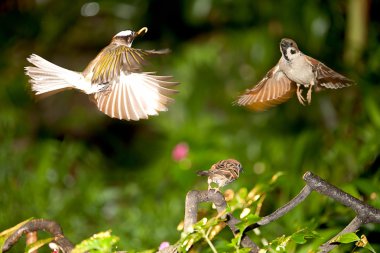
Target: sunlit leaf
x: 244, y: 250
x: 346, y: 238
x: 101, y: 242
x: 247, y: 221
x: 276, y: 176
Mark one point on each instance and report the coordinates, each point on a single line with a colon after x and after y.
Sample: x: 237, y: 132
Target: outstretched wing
x: 328, y: 78
x: 135, y: 96
x: 273, y: 89
x: 111, y: 60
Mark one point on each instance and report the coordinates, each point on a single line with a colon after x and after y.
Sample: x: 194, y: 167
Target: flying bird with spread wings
x: 114, y: 79
x: 293, y: 72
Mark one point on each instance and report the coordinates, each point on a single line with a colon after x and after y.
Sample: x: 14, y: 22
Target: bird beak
x: 141, y: 32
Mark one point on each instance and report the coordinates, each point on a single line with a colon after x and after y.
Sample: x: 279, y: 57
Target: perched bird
x: 114, y: 79
x: 293, y: 72
x: 222, y: 173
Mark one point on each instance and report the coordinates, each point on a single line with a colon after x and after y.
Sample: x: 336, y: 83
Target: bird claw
x: 299, y: 96
x: 309, y: 95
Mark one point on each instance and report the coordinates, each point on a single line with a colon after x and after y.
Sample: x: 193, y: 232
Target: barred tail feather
x: 47, y: 78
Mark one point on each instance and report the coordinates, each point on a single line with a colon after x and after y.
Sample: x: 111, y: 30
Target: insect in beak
x: 141, y: 32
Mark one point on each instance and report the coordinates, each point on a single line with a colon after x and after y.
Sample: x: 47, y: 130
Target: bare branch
x: 51, y: 227
x: 287, y: 207
x: 365, y: 212
x: 193, y: 198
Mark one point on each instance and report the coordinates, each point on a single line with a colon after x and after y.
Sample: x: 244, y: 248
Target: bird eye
x: 292, y: 51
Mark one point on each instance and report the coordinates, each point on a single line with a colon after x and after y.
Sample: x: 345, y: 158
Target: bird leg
x: 215, y: 189
x: 299, y: 95
x: 309, y: 94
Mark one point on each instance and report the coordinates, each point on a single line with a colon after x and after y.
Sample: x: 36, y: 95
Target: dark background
x: 61, y: 159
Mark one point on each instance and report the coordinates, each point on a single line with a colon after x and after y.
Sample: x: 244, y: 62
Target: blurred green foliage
x: 61, y: 159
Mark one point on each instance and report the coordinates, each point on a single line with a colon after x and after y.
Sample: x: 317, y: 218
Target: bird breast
x: 298, y: 70
x: 220, y: 180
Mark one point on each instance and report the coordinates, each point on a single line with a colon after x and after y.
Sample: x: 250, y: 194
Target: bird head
x: 289, y: 49
x: 126, y: 37
x: 239, y: 167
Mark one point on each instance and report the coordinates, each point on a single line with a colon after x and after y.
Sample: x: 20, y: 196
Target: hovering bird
x: 222, y: 173
x: 113, y: 80
x: 293, y: 72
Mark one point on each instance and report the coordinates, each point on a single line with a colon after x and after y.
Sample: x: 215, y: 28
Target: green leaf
x: 279, y: 244
x: 369, y: 247
x: 300, y: 237
x: 247, y: 221
x: 101, y: 242
x: 4, y: 235
x: 346, y: 238
x: 38, y: 244
x: 276, y: 176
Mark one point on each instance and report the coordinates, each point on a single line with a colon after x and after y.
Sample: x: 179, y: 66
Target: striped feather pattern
x: 223, y: 172
x: 273, y: 89
x: 328, y: 78
x: 116, y: 58
x: 135, y: 96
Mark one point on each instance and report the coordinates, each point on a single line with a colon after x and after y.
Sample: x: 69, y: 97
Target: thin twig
x: 208, y: 241
x: 287, y: 207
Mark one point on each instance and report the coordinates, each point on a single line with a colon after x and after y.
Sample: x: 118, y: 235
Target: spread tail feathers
x: 47, y: 78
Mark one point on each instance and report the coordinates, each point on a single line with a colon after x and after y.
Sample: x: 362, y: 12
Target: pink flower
x: 163, y: 245
x: 180, y: 151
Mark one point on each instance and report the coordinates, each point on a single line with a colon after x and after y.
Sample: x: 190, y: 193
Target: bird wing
x: 326, y: 77
x: 135, y: 96
x: 273, y: 89
x: 115, y: 57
